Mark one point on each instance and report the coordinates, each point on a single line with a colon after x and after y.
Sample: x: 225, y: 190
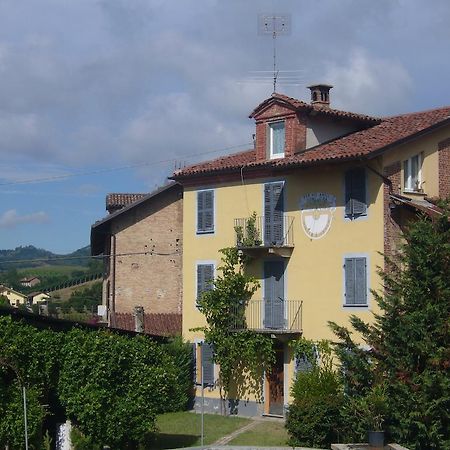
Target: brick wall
x: 295, y: 129
x: 444, y: 168
x: 152, y: 280
x: 392, y: 230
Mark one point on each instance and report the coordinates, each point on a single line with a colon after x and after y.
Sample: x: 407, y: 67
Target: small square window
x: 277, y: 140
x: 412, y: 172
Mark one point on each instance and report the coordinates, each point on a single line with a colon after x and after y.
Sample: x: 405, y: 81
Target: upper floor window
x: 277, y: 140
x: 205, y: 211
x: 355, y: 193
x: 412, y: 171
x: 205, y: 278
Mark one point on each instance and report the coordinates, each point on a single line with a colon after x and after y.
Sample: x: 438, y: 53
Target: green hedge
x: 110, y: 385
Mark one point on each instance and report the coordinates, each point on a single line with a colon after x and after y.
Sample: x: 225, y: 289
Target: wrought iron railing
x: 256, y: 231
x: 268, y: 315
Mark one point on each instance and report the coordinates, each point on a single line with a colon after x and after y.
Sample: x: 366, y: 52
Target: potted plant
x: 374, y: 410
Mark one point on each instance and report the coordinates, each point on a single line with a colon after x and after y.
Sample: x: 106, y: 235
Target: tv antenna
x: 274, y: 25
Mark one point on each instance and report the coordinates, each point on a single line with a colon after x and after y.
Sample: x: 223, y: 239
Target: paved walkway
x: 225, y: 439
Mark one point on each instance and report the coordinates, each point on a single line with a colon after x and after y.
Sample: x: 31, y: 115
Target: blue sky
x: 88, y: 86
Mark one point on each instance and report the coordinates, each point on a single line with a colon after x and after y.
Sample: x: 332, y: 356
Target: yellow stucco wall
x: 427, y: 145
x: 314, y: 272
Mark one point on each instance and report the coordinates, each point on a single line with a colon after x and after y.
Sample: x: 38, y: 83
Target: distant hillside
x: 29, y: 252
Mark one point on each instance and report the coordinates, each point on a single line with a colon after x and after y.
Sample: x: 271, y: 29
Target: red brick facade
x: 444, y: 168
x: 391, y: 228
x: 295, y: 130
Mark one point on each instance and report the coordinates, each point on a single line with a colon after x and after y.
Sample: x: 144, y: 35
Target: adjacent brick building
x: 142, y: 243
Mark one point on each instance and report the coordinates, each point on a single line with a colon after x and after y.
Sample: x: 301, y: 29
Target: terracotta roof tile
x: 316, y: 109
x: 156, y: 324
x: 361, y: 144
x: 116, y: 200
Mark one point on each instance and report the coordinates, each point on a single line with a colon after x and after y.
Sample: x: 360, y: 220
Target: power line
x: 66, y: 258
x: 114, y: 169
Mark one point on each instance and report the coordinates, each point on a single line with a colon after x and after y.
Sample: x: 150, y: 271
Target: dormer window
x: 276, y: 140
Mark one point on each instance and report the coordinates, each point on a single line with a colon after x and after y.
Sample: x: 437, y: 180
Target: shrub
x: 314, y: 418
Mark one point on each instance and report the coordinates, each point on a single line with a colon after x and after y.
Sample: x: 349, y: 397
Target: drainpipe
x: 112, y: 318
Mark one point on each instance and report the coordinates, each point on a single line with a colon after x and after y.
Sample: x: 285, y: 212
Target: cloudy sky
x: 101, y: 96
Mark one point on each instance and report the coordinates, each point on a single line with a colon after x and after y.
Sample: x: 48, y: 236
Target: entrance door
x: 274, y: 294
x: 273, y: 214
x: 275, y: 384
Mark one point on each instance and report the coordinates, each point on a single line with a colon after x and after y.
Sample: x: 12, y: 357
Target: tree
x: 243, y: 355
x: 409, y: 339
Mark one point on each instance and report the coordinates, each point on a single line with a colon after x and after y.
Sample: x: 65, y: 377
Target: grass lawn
x: 182, y: 429
x: 264, y: 434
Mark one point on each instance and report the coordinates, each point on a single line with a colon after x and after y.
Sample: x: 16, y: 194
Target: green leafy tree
x: 410, y: 339
x: 243, y: 355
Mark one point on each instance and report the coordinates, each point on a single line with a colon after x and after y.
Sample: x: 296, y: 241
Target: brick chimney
x: 320, y: 95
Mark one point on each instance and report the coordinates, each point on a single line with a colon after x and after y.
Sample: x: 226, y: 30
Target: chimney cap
x: 320, y: 94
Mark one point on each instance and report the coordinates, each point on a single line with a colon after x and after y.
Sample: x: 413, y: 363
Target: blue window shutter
x: 349, y: 268
x: 302, y: 364
x: 355, y: 193
x: 205, y: 211
x: 207, y: 364
x: 205, y: 277
x: 194, y: 361
x: 360, y: 281
x: 355, y: 281
x: 273, y: 214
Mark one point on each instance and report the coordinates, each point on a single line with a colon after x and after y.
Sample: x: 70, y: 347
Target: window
x: 207, y: 362
x: 276, y: 140
x: 355, y: 272
x: 205, y: 211
x: 205, y: 277
x: 412, y: 173
x: 355, y: 193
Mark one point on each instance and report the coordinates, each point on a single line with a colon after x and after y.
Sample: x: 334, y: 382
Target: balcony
x: 262, y: 235
x: 271, y: 316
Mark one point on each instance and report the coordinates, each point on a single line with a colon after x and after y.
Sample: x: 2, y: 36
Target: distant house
x: 36, y: 298
x: 15, y: 298
x: 30, y: 281
x: 141, y: 239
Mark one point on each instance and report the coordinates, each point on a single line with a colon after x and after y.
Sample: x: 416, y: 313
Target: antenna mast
x: 275, y: 25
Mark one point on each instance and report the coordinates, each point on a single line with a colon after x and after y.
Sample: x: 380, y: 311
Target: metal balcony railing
x: 264, y: 231
x: 268, y: 315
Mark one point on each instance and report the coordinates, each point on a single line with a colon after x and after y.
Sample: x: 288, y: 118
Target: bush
x: 314, y: 418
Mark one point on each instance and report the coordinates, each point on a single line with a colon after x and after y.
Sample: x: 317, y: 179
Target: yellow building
x: 15, y: 298
x: 331, y: 190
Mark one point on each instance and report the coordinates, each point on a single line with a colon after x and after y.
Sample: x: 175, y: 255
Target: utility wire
x: 114, y: 169
x: 65, y: 258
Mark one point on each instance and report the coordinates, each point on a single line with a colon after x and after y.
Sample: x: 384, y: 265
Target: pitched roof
x: 311, y: 108
x: 97, y: 237
x: 362, y: 144
x: 120, y: 200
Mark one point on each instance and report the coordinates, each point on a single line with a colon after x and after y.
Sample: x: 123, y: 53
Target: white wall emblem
x: 317, y: 210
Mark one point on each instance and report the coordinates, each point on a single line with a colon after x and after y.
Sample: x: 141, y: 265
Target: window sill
x: 413, y: 191
x: 279, y: 156
x: 205, y: 232
x: 355, y: 306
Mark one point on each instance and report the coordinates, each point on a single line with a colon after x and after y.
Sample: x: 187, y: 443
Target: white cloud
x: 370, y: 84
x: 11, y: 219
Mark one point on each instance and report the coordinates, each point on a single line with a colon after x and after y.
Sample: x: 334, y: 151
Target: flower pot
x: 376, y: 439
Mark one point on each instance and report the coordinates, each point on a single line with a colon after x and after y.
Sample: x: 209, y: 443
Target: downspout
x: 112, y: 317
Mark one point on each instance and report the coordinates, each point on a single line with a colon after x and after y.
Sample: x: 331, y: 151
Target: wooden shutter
x: 355, y: 281
x: 360, y: 281
x: 205, y: 277
x: 194, y: 361
x: 207, y: 364
x: 205, y: 211
x: 302, y: 364
x: 274, y: 295
x: 349, y: 268
x: 273, y: 214
x: 355, y: 193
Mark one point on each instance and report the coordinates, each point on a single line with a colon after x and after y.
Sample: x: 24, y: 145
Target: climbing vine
x: 243, y: 355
